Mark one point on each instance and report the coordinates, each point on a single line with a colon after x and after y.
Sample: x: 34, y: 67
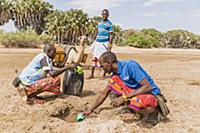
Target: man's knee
x: 113, y: 95
x: 55, y: 80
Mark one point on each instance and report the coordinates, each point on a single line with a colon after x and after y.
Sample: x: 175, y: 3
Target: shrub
x: 181, y: 39
x: 183, y: 34
x: 22, y: 39
x: 146, y: 38
x: 142, y: 40
x: 129, y: 32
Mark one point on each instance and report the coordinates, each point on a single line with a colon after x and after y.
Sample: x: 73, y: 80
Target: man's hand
x: 71, y: 66
x: 117, y: 101
x: 109, y: 47
x: 87, y: 113
x: 102, y: 96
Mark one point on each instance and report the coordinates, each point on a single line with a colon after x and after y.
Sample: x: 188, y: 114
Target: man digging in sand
x: 103, y: 41
x: 40, y: 76
x: 133, y: 86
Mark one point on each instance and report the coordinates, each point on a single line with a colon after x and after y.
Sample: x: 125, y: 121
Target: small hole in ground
x: 66, y: 115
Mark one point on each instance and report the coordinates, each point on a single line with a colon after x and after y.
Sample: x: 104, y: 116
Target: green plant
x: 23, y: 39
x: 142, y: 40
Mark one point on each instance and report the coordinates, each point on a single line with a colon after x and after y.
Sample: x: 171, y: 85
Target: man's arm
x: 96, y: 33
x: 145, y: 87
x: 111, y: 38
x: 56, y: 72
x: 101, y: 98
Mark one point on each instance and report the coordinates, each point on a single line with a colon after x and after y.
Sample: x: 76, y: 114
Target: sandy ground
x: 176, y: 72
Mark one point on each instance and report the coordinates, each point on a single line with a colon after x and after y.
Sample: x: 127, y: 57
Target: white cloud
x: 156, y: 14
x: 153, y: 2
x: 95, y: 5
x: 150, y: 15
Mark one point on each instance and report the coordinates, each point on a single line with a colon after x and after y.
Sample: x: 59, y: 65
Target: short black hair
x: 105, y: 10
x: 47, y: 47
x: 108, y: 57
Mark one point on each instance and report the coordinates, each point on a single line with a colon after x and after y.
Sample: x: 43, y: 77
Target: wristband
x: 125, y: 97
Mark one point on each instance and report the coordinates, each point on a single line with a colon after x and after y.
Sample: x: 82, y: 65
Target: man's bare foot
x: 146, y: 124
x: 123, y: 110
x: 102, y: 78
x: 22, y: 92
x: 90, y: 77
x: 35, y: 100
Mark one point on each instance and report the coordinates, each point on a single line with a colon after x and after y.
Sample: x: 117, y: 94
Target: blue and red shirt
x: 131, y: 73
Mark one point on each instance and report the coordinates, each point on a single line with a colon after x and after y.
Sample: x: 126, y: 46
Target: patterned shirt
x: 104, y: 30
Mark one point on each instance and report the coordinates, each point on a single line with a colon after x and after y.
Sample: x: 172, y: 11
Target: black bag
x: 16, y: 82
x: 73, y: 83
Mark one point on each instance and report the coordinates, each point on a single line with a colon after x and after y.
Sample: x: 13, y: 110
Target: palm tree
x: 30, y: 14
x: 5, y: 11
x: 118, y: 34
x: 92, y: 28
x: 39, y: 15
x: 67, y: 26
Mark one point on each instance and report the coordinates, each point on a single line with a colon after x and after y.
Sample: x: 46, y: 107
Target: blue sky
x: 163, y: 15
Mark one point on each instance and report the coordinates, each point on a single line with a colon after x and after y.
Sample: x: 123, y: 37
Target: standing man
x: 103, y: 40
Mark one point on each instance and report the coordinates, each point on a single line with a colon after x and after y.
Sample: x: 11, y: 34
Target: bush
x: 117, y: 34
x: 142, y: 40
x: 181, y: 39
x: 183, y: 34
x: 155, y: 36
x: 145, y: 38
x: 22, y: 39
x: 129, y: 32
x: 153, y: 33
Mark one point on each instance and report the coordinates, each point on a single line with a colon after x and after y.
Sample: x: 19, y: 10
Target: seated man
x: 133, y: 85
x: 40, y: 76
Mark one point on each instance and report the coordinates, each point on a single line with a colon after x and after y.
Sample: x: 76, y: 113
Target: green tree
x: 68, y: 26
x: 29, y: 14
x: 181, y: 39
x: 118, y: 35
x: 5, y: 11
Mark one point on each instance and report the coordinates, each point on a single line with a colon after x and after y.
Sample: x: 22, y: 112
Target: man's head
x: 105, y: 14
x: 50, y: 50
x: 107, y: 60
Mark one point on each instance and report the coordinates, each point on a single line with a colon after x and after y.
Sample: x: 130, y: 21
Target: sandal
x: 22, y: 92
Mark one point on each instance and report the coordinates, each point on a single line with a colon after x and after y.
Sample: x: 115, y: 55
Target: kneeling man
x: 40, y: 76
x: 132, y: 84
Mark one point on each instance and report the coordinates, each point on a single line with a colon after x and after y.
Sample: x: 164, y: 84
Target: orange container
x: 60, y: 56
